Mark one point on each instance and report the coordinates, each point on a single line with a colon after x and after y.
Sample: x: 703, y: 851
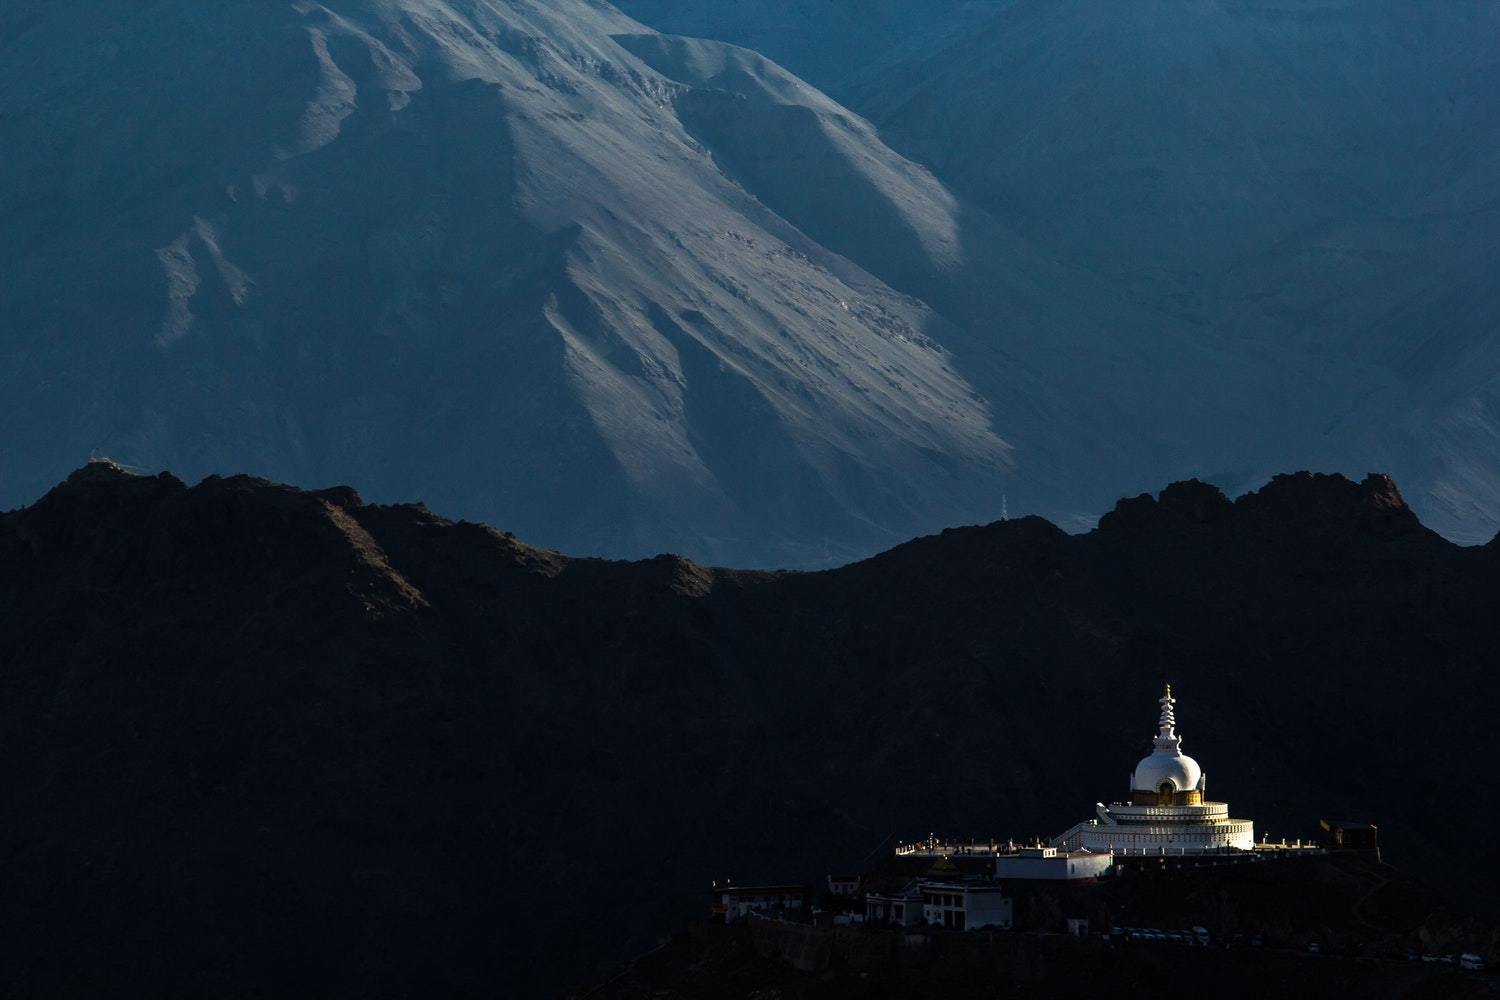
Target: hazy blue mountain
x: 465, y: 252
x: 625, y: 292
x: 826, y: 42
x: 1316, y: 182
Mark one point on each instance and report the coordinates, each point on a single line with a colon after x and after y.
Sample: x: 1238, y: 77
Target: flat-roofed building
x: 740, y: 900
x: 1349, y: 835
x: 1049, y: 864
x: 894, y: 907
x: 843, y: 885
x: 970, y: 905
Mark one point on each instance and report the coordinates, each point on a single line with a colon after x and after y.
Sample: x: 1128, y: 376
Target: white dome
x: 1166, y: 765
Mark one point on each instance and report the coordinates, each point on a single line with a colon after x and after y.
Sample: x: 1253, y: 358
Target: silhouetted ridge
x: 1181, y: 505
x: 82, y: 514
x: 263, y: 739
x: 244, y: 531
x: 1288, y: 503
x: 1373, y: 506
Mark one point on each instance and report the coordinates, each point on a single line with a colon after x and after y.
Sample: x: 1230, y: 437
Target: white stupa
x: 1166, y: 812
x: 1168, y: 776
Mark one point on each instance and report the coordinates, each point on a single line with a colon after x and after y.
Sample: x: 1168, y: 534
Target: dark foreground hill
x: 259, y: 739
x: 1371, y: 925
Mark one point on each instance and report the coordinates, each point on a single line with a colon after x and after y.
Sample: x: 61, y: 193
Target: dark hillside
x: 260, y: 739
x: 1371, y: 924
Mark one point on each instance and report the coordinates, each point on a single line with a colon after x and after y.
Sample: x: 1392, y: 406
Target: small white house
x: 740, y: 900
x: 846, y: 886
x: 898, y: 908
x: 966, y: 906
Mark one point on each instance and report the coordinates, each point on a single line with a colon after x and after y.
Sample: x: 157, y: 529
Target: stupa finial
x: 1166, y: 737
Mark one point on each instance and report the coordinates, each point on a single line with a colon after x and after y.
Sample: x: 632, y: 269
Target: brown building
x: 1347, y: 835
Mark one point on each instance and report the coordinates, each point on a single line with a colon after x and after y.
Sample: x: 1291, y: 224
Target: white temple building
x: 1166, y: 812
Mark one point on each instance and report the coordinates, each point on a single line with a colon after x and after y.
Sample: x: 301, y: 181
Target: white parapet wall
x: 1053, y: 866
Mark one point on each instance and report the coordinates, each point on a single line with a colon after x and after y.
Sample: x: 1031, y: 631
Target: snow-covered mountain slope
x: 1315, y: 181
x: 617, y: 291
x: 458, y: 251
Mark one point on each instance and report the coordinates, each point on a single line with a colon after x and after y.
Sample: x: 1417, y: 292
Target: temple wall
x: 1174, y: 839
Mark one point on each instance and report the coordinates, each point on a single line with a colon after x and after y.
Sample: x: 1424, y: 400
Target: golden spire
x: 1166, y: 738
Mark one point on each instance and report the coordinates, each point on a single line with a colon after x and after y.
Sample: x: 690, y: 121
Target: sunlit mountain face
x: 1310, y: 183
x: 625, y: 292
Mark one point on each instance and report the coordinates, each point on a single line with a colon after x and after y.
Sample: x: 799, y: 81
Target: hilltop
x: 317, y: 743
